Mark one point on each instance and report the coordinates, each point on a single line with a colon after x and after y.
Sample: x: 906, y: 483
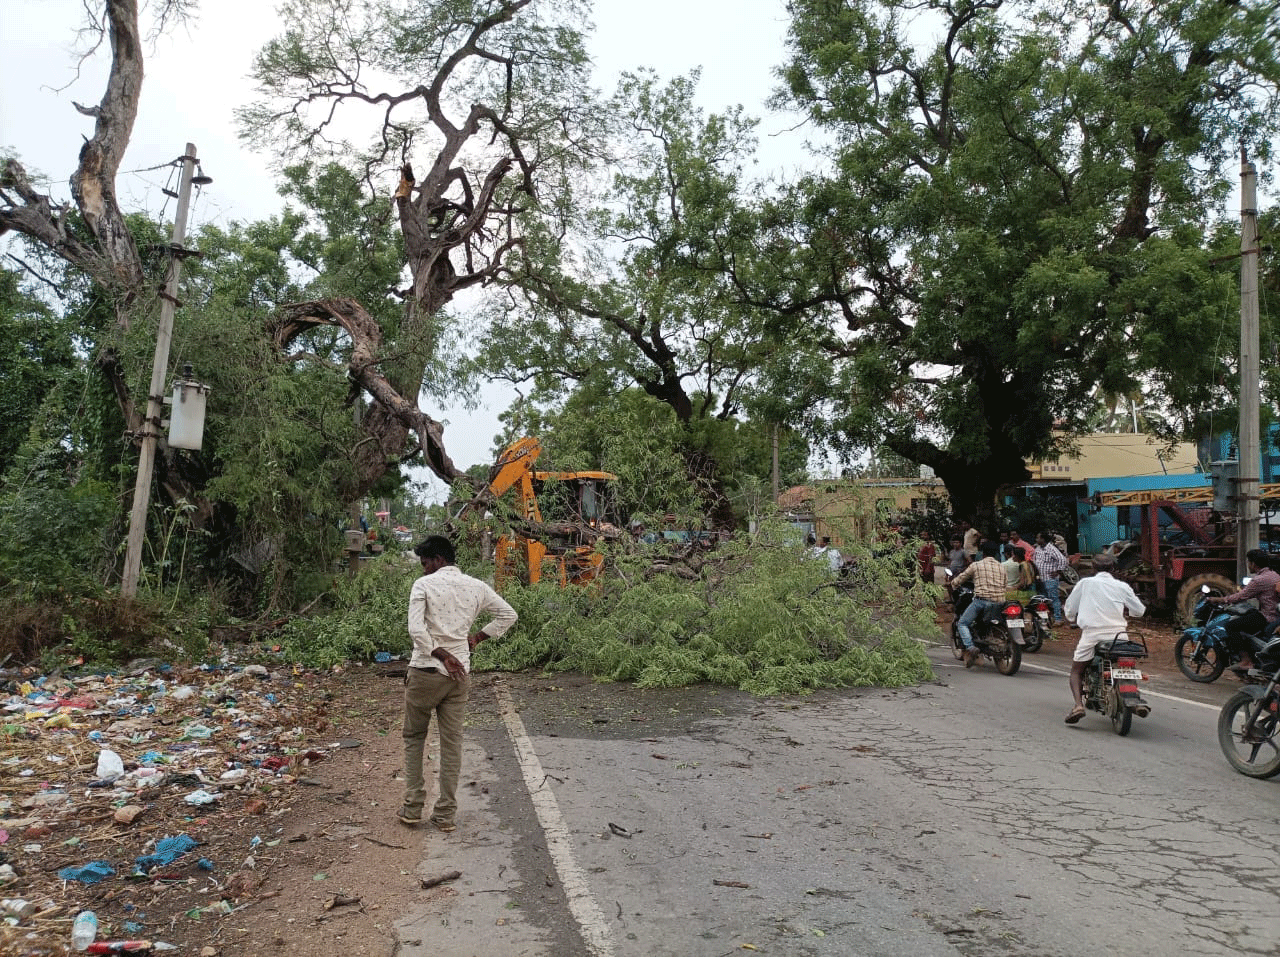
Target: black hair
x: 436, y: 546
x: 1259, y: 556
x: 990, y: 549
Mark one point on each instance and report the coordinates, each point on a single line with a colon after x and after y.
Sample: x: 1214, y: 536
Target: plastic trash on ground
x: 110, y: 765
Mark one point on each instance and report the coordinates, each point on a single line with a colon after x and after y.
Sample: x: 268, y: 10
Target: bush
x: 758, y: 616
x: 361, y: 615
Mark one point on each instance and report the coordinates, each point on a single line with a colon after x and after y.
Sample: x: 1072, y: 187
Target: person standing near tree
x: 443, y: 606
x: 1050, y: 564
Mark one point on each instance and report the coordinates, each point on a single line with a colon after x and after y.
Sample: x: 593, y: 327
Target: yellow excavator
x: 536, y: 548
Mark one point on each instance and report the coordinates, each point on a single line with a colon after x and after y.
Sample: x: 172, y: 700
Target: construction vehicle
x: 533, y: 547
x: 1182, y: 544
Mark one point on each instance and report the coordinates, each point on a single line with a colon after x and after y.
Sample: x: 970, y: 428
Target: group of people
x: 1099, y: 605
x: 1009, y: 568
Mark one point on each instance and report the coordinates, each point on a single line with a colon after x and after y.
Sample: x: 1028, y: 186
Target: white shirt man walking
x: 1097, y: 605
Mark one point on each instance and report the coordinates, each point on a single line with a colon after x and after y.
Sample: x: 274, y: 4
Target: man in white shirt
x: 443, y: 605
x: 1097, y: 605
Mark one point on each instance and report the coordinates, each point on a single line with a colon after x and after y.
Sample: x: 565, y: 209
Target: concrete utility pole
x: 155, y: 396
x: 1250, y: 458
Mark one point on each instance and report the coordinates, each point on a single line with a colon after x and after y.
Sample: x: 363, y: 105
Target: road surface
x: 958, y: 818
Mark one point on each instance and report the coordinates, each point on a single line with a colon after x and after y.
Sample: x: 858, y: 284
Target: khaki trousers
x: 425, y: 692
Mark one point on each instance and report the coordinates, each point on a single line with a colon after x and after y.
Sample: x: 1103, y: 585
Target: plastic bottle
x: 16, y: 907
x: 84, y: 930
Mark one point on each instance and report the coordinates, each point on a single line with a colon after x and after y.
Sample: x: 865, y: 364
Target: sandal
x: 1076, y: 714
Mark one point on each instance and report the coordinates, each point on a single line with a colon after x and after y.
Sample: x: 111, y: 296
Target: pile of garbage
x: 110, y: 783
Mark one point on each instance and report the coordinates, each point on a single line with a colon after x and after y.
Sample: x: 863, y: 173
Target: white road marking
x: 1058, y: 671
x: 585, y: 910
x: 1145, y: 693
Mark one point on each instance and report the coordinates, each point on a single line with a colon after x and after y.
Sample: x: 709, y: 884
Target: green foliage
x: 759, y: 616
x: 36, y: 351
x: 359, y: 616
x: 1015, y: 220
x: 56, y: 527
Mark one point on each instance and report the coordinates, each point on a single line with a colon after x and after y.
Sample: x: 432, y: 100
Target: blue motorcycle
x: 1202, y: 652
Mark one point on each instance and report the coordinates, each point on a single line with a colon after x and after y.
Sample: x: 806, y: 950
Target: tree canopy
x: 1016, y: 212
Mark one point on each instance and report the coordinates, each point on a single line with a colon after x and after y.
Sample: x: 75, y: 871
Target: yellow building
x: 1113, y: 453
x: 844, y: 509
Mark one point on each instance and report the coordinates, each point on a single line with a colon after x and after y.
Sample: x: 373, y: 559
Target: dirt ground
x: 303, y: 855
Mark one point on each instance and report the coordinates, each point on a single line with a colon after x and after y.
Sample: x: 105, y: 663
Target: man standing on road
x: 443, y: 606
x: 1050, y: 563
x: 1098, y: 605
x: 988, y: 591
x: 1262, y: 586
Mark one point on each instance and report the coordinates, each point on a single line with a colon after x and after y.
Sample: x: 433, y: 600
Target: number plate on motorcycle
x: 1131, y: 674
x: 1013, y: 622
x: 1042, y: 615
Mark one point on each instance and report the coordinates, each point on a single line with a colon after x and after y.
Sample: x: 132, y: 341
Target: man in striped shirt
x: 988, y: 591
x: 1050, y: 563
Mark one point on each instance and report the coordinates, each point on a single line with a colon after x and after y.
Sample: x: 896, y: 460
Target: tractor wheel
x: 1189, y: 593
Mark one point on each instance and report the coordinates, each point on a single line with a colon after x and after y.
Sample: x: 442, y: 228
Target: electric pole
x: 1250, y: 457
x: 155, y: 396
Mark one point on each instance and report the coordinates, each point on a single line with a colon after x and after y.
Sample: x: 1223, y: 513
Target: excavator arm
x: 533, y: 541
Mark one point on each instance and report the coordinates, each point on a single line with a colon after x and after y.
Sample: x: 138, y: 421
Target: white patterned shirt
x: 442, y: 608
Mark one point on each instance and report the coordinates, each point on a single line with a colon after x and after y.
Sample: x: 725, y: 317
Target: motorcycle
x: 1202, y: 652
x: 1040, y: 608
x: 997, y: 635
x: 1111, y: 682
x: 1249, y: 723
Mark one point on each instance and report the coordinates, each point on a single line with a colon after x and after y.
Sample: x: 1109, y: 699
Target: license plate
x: 1130, y: 674
x: 1013, y: 623
x: 1042, y: 615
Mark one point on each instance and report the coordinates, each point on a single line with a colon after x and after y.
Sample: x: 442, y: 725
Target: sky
x: 197, y: 74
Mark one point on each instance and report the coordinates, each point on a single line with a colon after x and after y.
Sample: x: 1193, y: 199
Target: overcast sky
x: 196, y: 76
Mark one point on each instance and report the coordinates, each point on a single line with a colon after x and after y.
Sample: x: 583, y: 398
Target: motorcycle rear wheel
x: 1200, y: 664
x: 1259, y: 756
x: 1121, y: 714
x: 1011, y: 661
x: 1035, y: 639
x: 957, y: 648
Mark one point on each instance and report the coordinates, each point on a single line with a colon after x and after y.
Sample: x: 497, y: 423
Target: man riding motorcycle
x: 988, y: 591
x: 1262, y: 586
x: 1098, y: 605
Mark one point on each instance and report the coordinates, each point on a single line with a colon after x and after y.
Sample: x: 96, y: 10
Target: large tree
x: 632, y: 292
x: 1016, y: 216
x: 482, y: 98
x: 463, y: 110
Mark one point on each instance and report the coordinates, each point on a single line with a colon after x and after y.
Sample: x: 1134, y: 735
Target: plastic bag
x: 110, y: 765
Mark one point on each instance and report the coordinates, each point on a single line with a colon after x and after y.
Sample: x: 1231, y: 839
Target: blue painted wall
x: 1222, y: 446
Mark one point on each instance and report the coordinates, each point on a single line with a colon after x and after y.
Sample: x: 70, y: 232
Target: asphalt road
x: 961, y: 817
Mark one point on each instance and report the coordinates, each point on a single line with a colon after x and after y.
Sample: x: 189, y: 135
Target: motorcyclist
x: 1098, y: 605
x: 988, y: 592
x: 1262, y: 586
